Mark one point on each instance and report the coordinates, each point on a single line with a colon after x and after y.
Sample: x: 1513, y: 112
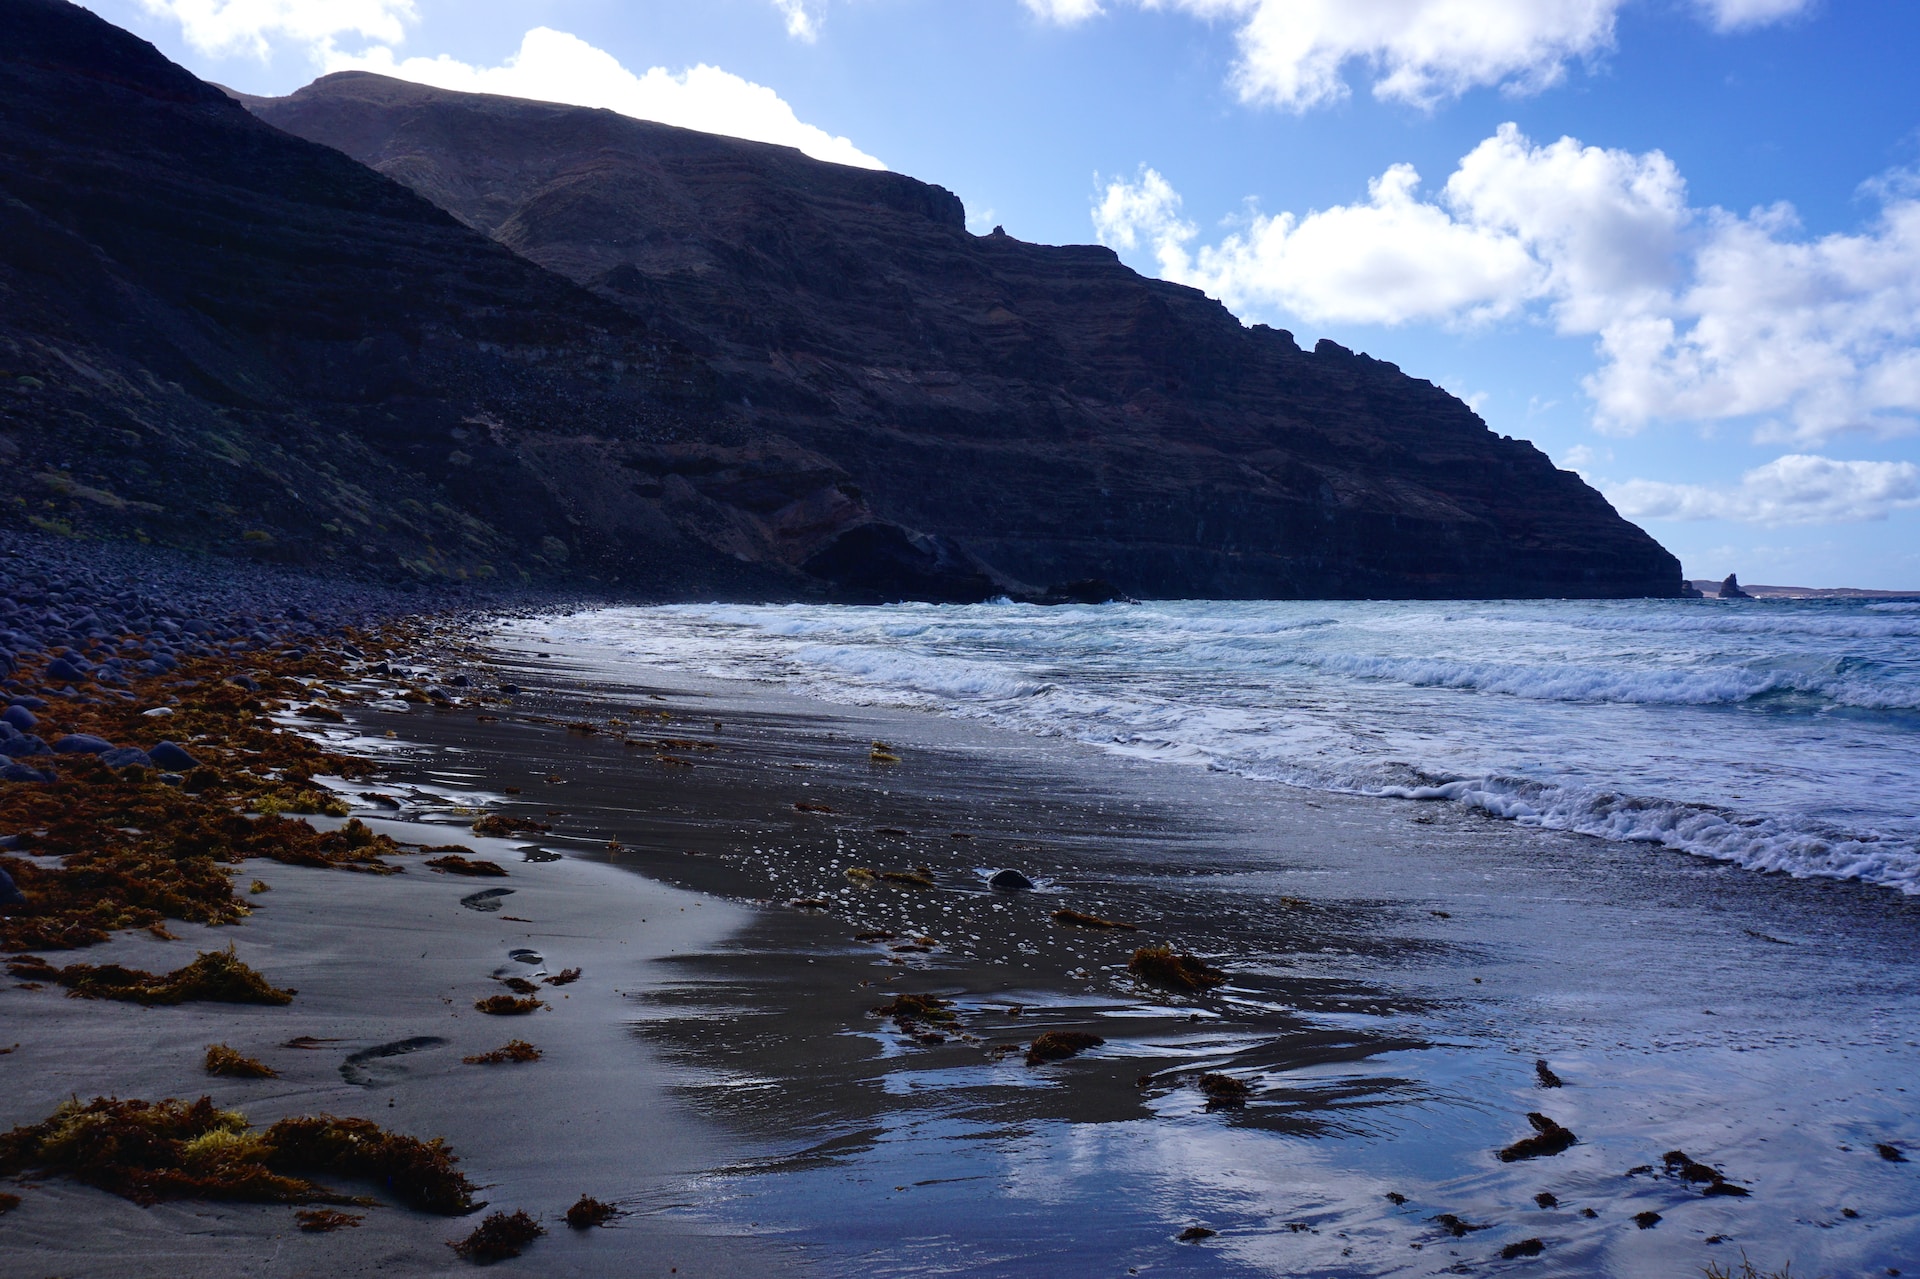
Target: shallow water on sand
x: 1395, y: 969
x: 1779, y: 735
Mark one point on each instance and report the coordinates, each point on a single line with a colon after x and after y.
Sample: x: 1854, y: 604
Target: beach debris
x: 905, y: 1008
x: 514, y: 1050
x: 1077, y: 919
x: 454, y: 864
x: 308, y: 1042
x: 502, y: 826
x: 222, y: 1060
x: 1223, y: 1091
x: 1396, y: 1198
x: 586, y: 728
x: 888, y: 830
x: 1058, y: 1045
x: 151, y: 1151
x: 1546, y: 1076
x: 520, y: 985
x: 1689, y: 1169
x: 499, y: 1237
x: 1647, y: 1220
x: 259, y: 886
x: 1547, y: 1199
x: 810, y: 903
x: 487, y: 900
x: 809, y: 806
x: 907, y: 878
x: 881, y: 753
x: 383, y: 801
x: 1008, y: 881
x: 1455, y: 1225
x: 215, y: 977
x: 588, y: 1212
x: 320, y: 1221
x: 1890, y: 1152
x: 958, y: 834
x: 544, y: 856
x: 8, y: 1203
x: 565, y: 977
x: 862, y: 874
x: 1161, y: 966
x: 507, y: 1005
x: 1194, y: 1234
x: 1524, y: 1248
x: 1548, y: 1138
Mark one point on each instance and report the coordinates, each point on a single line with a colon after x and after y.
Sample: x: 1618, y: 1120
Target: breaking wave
x: 1778, y: 736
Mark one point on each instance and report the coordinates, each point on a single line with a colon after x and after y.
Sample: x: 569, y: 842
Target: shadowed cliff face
x: 1046, y: 408
x: 218, y: 335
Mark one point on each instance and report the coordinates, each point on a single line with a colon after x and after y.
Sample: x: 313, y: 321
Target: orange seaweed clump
x: 420, y: 1173
x: 215, y: 977
x: 507, y: 1005
x: 515, y: 1050
x: 1161, y: 966
x: 501, y: 826
x: 500, y: 1236
x: 320, y: 1221
x: 917, y: 1008
x: 565, y: 977
x: 222, y: 1060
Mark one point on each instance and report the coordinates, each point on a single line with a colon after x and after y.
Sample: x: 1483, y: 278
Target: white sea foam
x: 1779, y: 736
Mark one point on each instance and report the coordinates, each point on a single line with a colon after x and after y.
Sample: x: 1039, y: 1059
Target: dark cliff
x: 1047, y: 407
x: 677, y: 362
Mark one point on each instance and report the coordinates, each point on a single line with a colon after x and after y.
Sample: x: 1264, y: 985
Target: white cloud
x: 552, y: 66
x: 1065, y: 12
x: 1795, y: 489
x: 1295, y: 54
x: 803, y: 23
x: 1731, y: 15
x: 224, y: 27
x: 1697, y: 315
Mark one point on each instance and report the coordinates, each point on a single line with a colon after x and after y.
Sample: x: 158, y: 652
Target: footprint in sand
x: 522, y: 963
x: 373, y: 1067
x: 486, y: 901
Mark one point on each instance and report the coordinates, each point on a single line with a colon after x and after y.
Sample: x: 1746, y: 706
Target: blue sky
x: 1676, y: 243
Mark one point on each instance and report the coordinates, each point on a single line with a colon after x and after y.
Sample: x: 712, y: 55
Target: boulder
x: 82, y: 744
x: 1008, y: 881
x: 20, y: 717
x: 126, y: 757
x: 173, y: 758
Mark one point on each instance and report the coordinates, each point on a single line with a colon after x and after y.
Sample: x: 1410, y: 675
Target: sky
x: 1675, y: 243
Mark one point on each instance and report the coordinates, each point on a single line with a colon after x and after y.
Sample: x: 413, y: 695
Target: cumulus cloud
x: 1295, y: 54
x: 1795, y: 489
x: 1697, y: 314
x: 226, y: 27
x: 553, y: 66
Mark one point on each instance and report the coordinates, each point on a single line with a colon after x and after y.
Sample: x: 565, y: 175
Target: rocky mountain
x: 436, y: 333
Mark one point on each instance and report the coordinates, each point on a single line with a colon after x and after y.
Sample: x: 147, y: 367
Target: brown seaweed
x: 320, y: 1221
x: 224, y: 1061
x: 588, y: 1212
x: 499, y: 1237
x: 1548, y: 1138
x: 1058, y: 1045
x: 454, y: 864
x: 507, y: 1005
x: 514, y: 1050
x: 1078, y: 919
x: 215, y: 976
x: 1161, y: 966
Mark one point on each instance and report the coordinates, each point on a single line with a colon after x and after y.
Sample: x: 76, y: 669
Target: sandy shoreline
x: 1395, y: 969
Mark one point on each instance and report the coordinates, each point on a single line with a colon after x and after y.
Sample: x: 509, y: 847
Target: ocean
x: 1780, y: 735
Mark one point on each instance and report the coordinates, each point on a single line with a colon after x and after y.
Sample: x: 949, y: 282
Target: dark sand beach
x: 723, y: 1074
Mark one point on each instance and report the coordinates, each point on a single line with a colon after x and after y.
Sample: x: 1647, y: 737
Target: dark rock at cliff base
x: 1051, y: 411
x: 170, y: 756
x: 1730, y: 589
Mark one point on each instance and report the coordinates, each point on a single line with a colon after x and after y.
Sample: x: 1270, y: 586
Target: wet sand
x: 1395, y: 970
